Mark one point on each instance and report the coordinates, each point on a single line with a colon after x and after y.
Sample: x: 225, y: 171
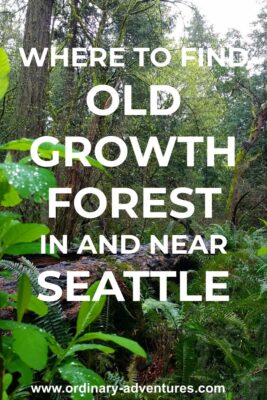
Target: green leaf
x: 31, y: 346
x: 10, y: 198
x: 23, y: 144
x: 4, y: 215
x: 5, y: 274
x: 83, y: 347
x: 24, y: 295
x: 128, y: 344
x: 6, y: 223
x: 24, y: 233
x: 8, y: 158
x: 54, y: 346
x: 26, y: 248
x: 89, y: 310
x: 46, y: 150
x: 9, y: 325
x: 7, y: 380
x: 29, y: 180
x: 4, y: 72
x: 262, y: 251
x: 25, y: 160
x: 262, y: 268
x: 4, y: 185
x: 39, y: 307
x: 3, y: 299
x: 16, y: 365
x: 8, y: 195
x: 76, y: 374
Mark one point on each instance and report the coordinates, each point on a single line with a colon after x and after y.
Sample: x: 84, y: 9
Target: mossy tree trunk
x: 242, y: 163
x: 31, y: 96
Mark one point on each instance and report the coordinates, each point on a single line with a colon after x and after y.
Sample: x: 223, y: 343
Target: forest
x: 110, y: 343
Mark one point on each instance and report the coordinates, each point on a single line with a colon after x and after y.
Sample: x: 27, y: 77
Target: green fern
x: 186, y: 358
x: 233, y: 319
x: 132, y: 373
x: 171, y: 311
x: 53, y: 321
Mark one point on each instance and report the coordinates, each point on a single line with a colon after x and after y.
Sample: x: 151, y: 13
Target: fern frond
x: 19, y: 269
x: 132, y: 373
x: 233, y: 319
x: 186, y: 359
x: 171, y: 311
x: 53, y: 321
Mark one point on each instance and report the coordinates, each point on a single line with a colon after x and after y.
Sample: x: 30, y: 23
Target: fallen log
x: 142, y: 260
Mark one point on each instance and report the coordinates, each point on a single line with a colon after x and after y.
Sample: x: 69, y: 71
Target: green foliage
x: 46, y: 150
x: 4, y: 72
x: 217, y: 342
x: 25, y: 181
x: 52, y: 323
x: 84, y: 347
x: 171, y: 311
x: 33, y: 345
x: 24, y: 296
x: 9, y: 197
x: 263, y: 250
x: 121, y: 341
x: 19, y: 238
x: 19, y: 232
x: 3, y: 298
x: 76, y: 374
x: 37, y: 306
x: 7, y: 380
x: 90, y: 310
x: 17, y: 182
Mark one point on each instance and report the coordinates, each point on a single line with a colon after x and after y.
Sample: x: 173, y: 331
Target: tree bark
x: 31, y: 97
x: 258, y: 127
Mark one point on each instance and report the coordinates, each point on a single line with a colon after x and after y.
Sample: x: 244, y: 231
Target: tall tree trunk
x: 30, y: 115
x: 78, y: 177
x: 258, y: 127
x: 31, y: 94
x: 64, y: 223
